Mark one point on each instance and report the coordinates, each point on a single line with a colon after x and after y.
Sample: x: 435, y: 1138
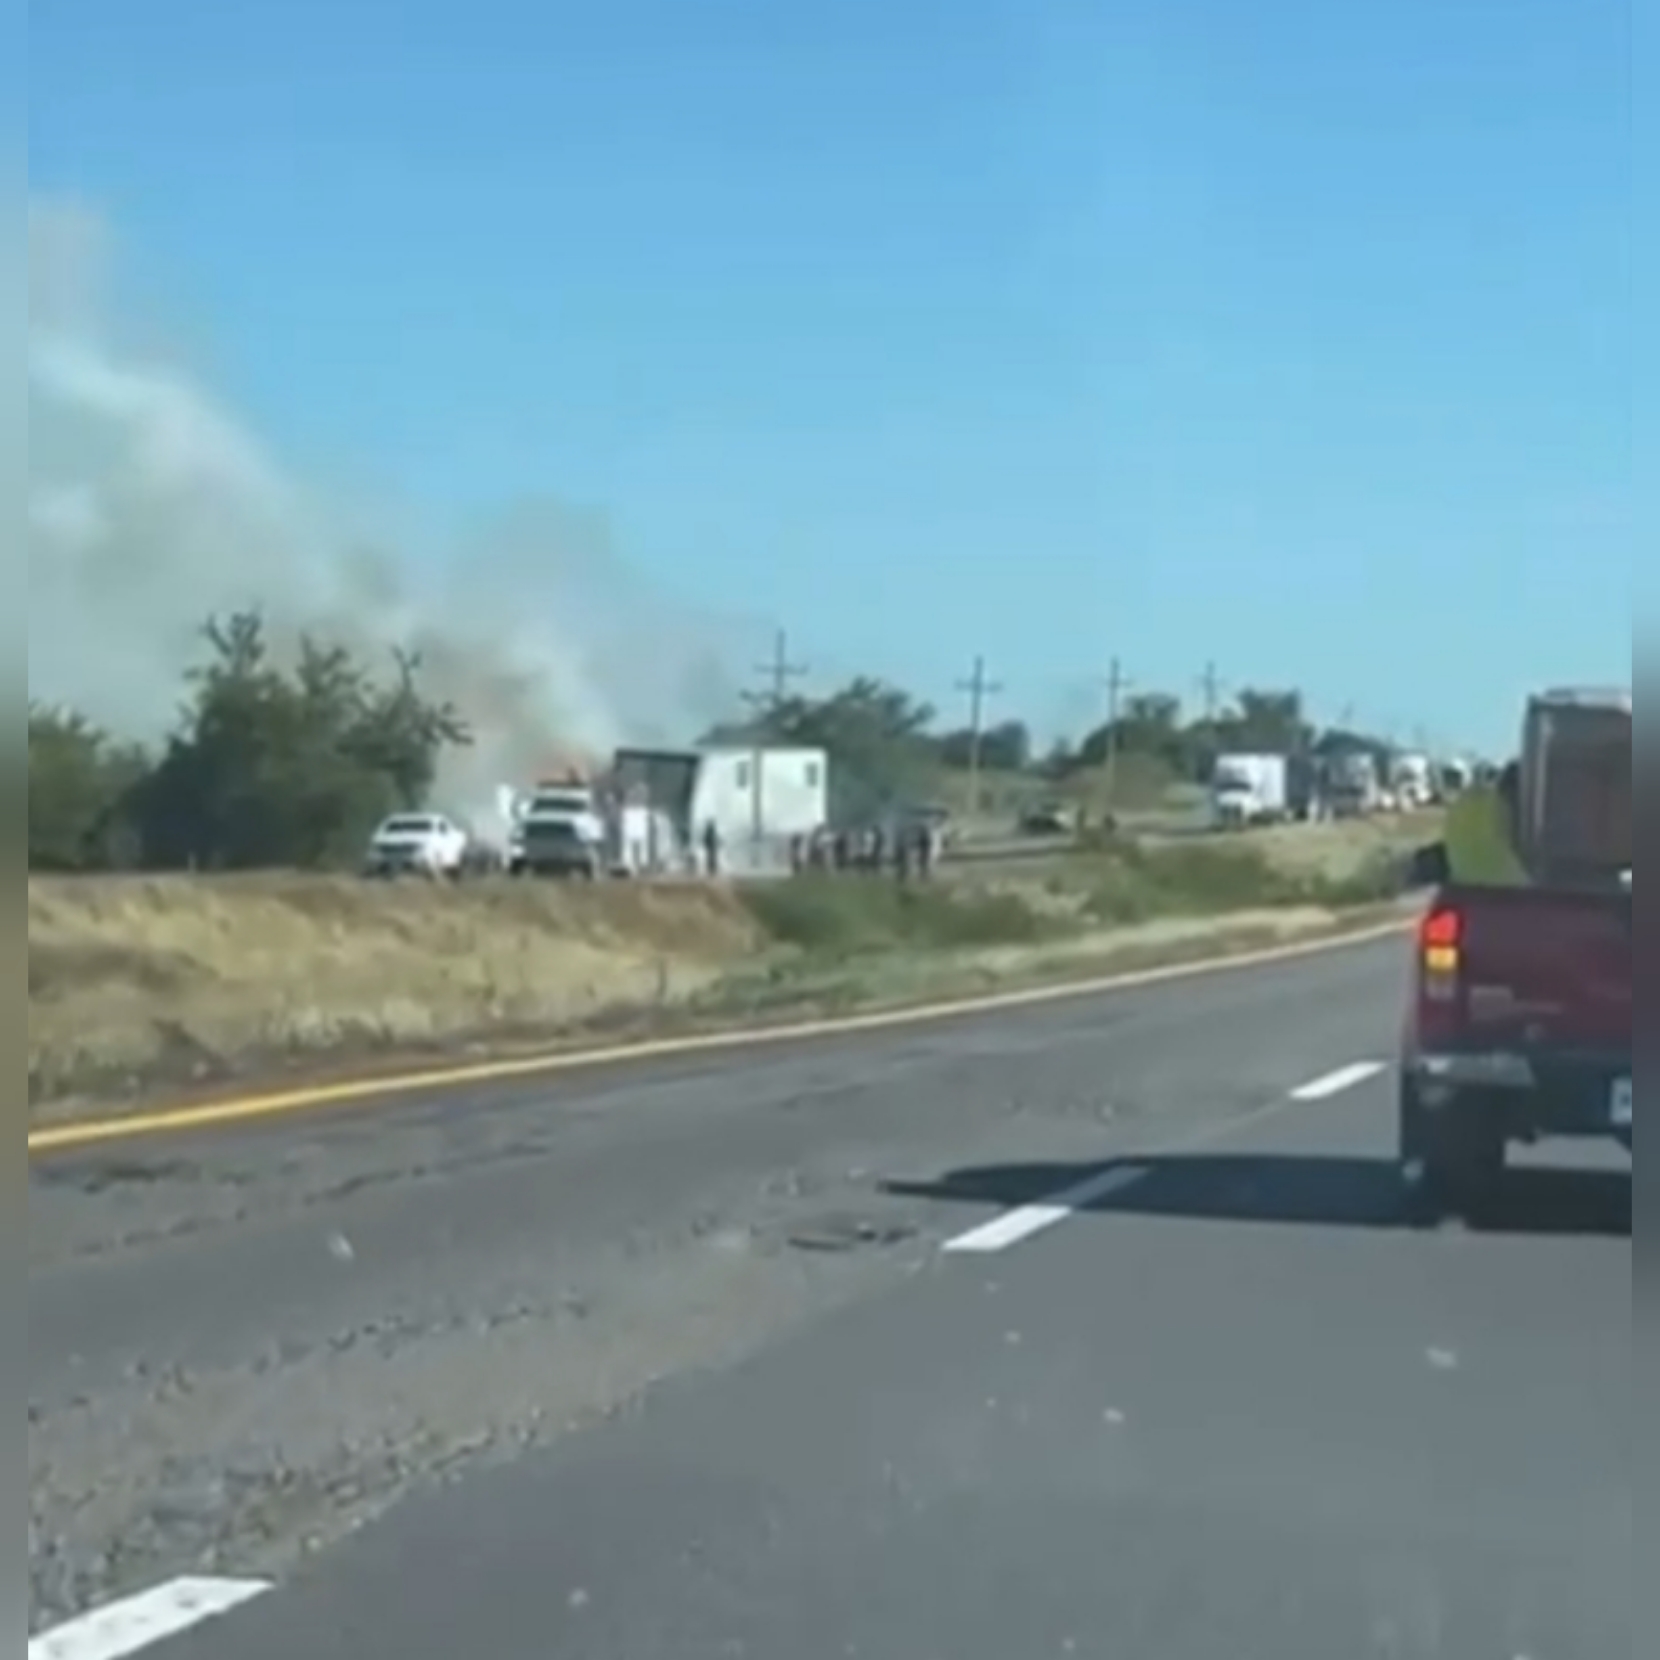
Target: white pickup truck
x: 561, y: 832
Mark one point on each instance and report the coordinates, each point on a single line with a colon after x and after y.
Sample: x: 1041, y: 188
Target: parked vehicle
x: 1412, y: 781
x: 417, y: 844
x: 1451, y: 780
x: 561, y: 831
x: 1354, y: 786
x: 739, y: 810
x: 1520, y: 1021
x: 1247, y: 790
x: 1048, y: 818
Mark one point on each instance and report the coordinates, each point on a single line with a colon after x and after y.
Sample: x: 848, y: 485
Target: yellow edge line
x: 248, y: 1108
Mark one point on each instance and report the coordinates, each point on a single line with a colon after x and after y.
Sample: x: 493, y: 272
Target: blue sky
x: 1296, y: 336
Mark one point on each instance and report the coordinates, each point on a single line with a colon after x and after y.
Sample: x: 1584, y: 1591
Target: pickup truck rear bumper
x: 1530, y: 1097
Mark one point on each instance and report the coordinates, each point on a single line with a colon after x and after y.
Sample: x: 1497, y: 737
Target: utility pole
x: 1210, y: 689
x: 978, y: 688
x: 778, y: 672
x: 1116, y: 685
x: 1210, y: 694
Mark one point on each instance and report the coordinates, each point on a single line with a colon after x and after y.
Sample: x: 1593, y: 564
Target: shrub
x: 840, y: 915
x: 1137, y: 884
x: 1480, y: 846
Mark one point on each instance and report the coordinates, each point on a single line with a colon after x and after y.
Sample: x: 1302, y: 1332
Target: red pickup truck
x: 1519, y: 1027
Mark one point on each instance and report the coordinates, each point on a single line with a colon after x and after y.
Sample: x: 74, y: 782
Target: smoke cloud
x: 149, y: 504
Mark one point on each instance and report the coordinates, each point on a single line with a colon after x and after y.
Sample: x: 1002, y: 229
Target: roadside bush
x: 1382, y: 877
x: 1136, y: 884
x: 839, y: 916
x: 1480, y: 846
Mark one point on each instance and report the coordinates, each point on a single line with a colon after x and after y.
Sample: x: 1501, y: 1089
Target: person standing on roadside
x: 928, y: 847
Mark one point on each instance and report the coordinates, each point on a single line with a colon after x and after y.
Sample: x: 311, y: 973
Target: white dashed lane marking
x: 134, y: 1623
x: 1015, y: 1227
x: 1334, y: 1083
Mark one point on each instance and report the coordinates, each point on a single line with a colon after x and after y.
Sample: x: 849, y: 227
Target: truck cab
x: 1519, y: 1027
x: 560, y: 832
x: 1249, y: 790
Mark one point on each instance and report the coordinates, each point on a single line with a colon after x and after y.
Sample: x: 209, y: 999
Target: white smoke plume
x: 150, y: 505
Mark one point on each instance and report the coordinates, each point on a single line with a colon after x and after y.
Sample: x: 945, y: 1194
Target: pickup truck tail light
x: 1440, y: 955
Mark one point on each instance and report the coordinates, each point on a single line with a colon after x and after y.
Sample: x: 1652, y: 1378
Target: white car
x: 420, y: 844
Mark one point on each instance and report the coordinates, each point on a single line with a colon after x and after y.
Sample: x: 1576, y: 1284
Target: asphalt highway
x: 1090, y: 1329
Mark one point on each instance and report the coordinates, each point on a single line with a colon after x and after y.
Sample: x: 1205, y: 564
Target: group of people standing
x: 908, y: 849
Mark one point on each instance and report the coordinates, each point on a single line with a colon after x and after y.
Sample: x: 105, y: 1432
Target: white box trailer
x: 754, y: 803
x: 760, y: 801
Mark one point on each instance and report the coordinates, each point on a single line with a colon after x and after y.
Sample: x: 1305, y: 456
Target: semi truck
x: 1519, y: 1024
x: 1249, y: 789
x: 1354, y: 784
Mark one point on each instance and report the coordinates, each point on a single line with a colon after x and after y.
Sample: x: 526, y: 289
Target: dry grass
x: 919, y: 978
x: 129, y: 978
x: 1340, y: 847
x: 146, y: 983
x: 1332, y: 851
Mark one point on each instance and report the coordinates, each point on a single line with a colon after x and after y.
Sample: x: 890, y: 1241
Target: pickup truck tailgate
x: 1548, y: 968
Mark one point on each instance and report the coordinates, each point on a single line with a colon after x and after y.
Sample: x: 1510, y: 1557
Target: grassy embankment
x: 140, y: 985
x: 1477, y: 835
x: 1140, y: 793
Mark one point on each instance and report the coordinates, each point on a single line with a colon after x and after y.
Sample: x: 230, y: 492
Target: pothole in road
x: 846, y: 1232
x: 102, y: 1177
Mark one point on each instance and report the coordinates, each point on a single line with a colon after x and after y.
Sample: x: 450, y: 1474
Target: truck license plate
x: 1619, y: 1104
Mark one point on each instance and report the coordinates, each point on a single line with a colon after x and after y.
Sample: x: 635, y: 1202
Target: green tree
x: 1271, y: 722
x: 81, y: 784
x: 290, y: 767
x: 1004, y: 747
x: 1149, y: 728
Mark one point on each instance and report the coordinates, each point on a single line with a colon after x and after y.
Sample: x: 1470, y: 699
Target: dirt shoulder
x: 146, y: 988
